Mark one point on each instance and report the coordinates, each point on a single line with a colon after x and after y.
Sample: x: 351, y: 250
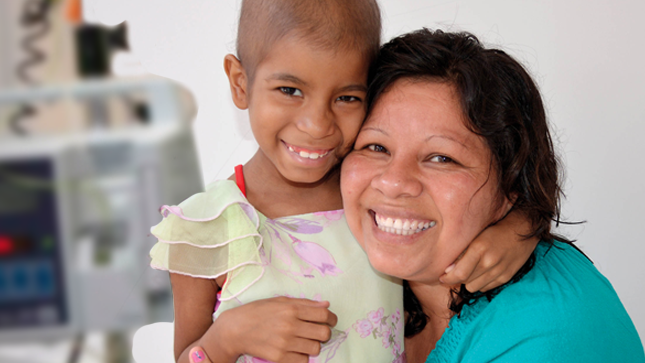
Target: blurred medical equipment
x: 35, y: 15
x: 75, y: 213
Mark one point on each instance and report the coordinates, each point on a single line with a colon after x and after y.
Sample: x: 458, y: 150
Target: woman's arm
x: 494, y: 257
x: 278, y: 329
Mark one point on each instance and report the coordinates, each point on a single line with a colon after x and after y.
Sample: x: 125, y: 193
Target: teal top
x: 562, y: 310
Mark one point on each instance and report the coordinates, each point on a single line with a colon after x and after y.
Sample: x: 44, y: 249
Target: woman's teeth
x: 312, y: 155
x: 404, y: 227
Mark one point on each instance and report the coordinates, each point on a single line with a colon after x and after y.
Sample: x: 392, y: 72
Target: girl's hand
x: 281, y: 329
x: 494, y: 257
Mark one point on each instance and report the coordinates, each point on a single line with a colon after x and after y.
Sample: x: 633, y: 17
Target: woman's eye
x: 441, y: 159
x: 290, y: 91
x: 377, y: 148
x: 348, y: 99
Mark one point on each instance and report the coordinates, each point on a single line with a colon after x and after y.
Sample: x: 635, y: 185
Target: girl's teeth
x: 308, y: 155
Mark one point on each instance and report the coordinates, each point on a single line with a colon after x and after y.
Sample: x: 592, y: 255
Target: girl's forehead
x: 296, y: 52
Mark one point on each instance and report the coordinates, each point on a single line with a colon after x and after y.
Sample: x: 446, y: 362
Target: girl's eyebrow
x: 286, y: 77
x: 354, y: 87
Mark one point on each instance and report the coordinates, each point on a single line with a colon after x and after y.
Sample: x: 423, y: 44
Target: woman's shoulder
x: 563, y: 283
x: 564, y: 303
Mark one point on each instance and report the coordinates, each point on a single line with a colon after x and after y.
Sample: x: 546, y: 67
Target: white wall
x: 587, y: 56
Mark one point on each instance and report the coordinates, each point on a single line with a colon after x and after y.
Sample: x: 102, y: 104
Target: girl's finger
x: 483, y: 283
x: 197, y: 355
x: 316, y: 314
x: 461, y: 270
x: 313, y: 331
x: 305, y: 346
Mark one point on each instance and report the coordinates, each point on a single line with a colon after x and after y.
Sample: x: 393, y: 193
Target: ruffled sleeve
x: 211, y: 234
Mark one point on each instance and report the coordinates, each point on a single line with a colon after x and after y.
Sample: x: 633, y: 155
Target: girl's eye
x: 377, y: 148
x: 441, y: 159
x: 290, y: 91
x: 348, y: 99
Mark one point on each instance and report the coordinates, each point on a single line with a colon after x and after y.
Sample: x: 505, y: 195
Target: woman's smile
x: 418, y: 183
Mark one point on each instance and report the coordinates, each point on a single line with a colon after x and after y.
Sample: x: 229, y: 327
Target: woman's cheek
x: 352, y: 174
x: 353, y: 182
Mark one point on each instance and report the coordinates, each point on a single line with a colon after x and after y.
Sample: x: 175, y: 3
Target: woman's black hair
x: 503, y: 105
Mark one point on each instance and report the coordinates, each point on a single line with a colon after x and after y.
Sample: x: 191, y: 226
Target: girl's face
x: 419, y: 186
x: 306, y: 107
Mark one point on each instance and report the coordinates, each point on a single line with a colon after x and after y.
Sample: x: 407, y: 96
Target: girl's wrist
x: 218, y: 341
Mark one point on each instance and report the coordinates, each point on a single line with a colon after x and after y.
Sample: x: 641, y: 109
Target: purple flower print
x: 400, y: 359
x: 363, y: 327
x: 396, y: 316
x: 317, y: 256
x: 387, y: 327
x: 332, y: 215
x: 396, y: 348
x: 376, y: 317
x: 387, y: 337
x: 297, y: 225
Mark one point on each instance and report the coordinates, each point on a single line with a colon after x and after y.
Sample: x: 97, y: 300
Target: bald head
x: 328, y: 24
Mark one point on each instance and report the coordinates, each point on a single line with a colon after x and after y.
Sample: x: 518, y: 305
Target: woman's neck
x: 274, y: 196
x: 435, y: 302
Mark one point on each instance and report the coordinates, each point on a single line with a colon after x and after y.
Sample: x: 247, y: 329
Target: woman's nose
x: 398, y: 179
x: 316, y: 120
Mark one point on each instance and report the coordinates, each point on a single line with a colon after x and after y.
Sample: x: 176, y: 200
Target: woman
x: 456, y: 138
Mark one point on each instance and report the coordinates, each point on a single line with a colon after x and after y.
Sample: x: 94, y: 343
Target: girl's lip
x: 298, y: 149
x: 308, y: 156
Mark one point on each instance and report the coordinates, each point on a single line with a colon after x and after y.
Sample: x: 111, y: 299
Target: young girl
x: 269, y: 249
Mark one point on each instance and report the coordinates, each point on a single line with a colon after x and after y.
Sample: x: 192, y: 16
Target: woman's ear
x: 237, y: 80
x: 504, y: 207
x: 507, y: 205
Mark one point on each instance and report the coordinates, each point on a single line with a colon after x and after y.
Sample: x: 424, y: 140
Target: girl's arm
x: 278, y: 329
x: 194, y: 300
x: 494, y: 256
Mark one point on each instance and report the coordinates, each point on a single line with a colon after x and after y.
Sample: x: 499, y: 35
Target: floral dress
x: 311, y: 256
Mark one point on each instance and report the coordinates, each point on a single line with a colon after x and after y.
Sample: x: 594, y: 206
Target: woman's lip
x: 398, y: 212
x: 399, y: 230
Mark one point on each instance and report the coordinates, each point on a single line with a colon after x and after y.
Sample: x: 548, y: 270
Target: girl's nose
x: 317, y: 121
x: 398, y: 180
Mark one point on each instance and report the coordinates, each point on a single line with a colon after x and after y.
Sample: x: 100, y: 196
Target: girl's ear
x: 237, y: 80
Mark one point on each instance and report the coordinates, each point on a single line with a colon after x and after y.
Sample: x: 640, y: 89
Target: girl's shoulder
x: 195, y: 236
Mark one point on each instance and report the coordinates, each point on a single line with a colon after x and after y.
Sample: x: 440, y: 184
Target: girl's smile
x: 305, y: 107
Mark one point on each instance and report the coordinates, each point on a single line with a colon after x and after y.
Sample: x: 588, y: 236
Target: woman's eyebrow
x: 373, y: 128
x: 448, y: 138
x: 286, y: 77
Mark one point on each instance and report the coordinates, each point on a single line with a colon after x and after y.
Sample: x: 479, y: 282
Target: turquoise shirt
x: 563, y: 310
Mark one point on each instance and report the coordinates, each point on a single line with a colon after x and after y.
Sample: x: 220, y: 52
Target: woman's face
x: 419, y: 186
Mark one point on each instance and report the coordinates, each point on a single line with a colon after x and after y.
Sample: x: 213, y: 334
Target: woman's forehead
x: 425, y: 105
